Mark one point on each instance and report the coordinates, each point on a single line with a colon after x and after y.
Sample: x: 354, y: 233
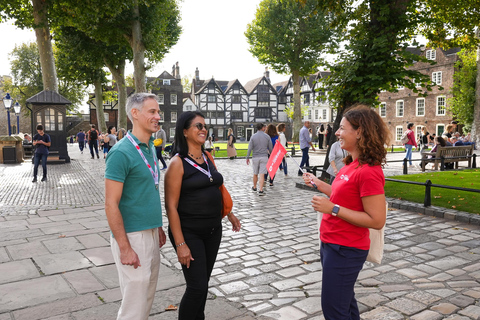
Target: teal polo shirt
x: 140, y: 204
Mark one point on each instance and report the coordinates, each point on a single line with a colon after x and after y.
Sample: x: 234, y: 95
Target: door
x: 249, y: 133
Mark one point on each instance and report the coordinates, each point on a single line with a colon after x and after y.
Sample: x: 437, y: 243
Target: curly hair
x: 373, y: 133
x: 272, y: 130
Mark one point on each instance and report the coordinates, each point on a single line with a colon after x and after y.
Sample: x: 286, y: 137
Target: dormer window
x: 431, y: 54
x: 166, y: 82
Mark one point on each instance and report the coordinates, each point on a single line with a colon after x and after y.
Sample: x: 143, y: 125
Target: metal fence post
x: 427, y: 202
x: 474, y: 162
x: 442, y: 163
x: 392, y: 148
x: 405, y: 170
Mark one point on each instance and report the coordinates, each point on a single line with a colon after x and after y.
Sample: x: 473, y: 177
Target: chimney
x: 197, y: 75
x: 177, y: 71
x: 173, y: 71
x: 267, y: 74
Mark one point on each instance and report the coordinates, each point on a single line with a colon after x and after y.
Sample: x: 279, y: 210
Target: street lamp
x: 7, y: 102
x: 17, y: 109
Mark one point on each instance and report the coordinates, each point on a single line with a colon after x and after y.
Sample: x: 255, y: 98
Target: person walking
x: 194, y: 208
x: 356, y: 202
x: 320, y: 134
x: 281, y: 128
x: 305, y: 144
x: 260, y: 146
x: 423, y: 139
x: 329, y: 134
x: 81, y: 140
x: 410, y: 143
x: 231, y: 151
x: 93, y: 137
x: 111, y: 137
x: 273, y: 134
x: 160, y: 134
x: 41, y: 142
x: 209, y: 146
x: 133, y: 208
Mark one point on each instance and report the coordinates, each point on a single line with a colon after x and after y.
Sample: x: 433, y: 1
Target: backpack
x: 404, y: 139
x: 233, y: 138
x: 93, y: 135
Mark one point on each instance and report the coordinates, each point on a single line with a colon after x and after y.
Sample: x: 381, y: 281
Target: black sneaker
x: 34, y: 179
x: 261, y: 193
x: 254, y: 189
x: 44, y: 179
x: 98, y: 157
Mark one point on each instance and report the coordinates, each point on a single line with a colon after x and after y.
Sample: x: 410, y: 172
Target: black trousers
x: 160, y: 156
x: 203, y: 244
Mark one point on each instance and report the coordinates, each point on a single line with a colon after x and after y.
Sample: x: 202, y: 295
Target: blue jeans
x: 36, y: 161
x: 408, y: 155
x: 305, y: 159
x: 341, y: 266
x: 81, y: 145
x: 284, y: 164
x: 93, y: 144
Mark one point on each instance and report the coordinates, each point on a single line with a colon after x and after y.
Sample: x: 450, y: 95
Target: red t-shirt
x: 352, y: 182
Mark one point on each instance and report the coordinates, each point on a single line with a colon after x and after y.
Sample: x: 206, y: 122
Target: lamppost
x: 17, y: 109
x: 7, y: 102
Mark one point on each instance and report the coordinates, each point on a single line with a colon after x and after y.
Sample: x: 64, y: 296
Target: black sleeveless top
x: 200, y: 203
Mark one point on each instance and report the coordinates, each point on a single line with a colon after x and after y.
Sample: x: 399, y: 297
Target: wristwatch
x: 335, y: 210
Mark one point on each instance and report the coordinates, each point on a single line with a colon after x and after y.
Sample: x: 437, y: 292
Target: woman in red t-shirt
x: 356, y: 202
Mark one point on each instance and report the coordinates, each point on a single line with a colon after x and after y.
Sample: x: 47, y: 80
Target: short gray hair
x: 136, y: 100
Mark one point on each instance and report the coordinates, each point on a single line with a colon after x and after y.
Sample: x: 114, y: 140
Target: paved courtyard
x: 55, y: 260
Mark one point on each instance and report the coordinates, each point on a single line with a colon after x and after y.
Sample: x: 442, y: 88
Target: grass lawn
x: 446, y: 198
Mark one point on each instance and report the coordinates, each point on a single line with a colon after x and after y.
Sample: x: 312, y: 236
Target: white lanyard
x: 205, y: 172
x: 154, y: 173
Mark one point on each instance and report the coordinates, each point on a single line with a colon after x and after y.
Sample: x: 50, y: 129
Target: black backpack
x: 93, y: 135
x: 234, y: 139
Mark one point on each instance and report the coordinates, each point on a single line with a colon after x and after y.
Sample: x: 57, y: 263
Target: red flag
x: 275, y: 159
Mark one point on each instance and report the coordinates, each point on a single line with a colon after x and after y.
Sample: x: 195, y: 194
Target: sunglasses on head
x: 200, y: 126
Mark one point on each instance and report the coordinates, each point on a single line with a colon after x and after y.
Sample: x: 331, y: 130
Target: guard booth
x: 49, y: 109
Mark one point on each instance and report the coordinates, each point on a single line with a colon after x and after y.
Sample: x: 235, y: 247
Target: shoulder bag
x: 377, y: 240
x: 226, y: 198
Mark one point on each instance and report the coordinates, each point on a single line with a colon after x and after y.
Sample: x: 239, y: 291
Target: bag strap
x: 211, y: 158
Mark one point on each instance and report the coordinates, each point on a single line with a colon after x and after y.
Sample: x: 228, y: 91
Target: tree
x: 35, y: 15
x: 187, y: 83
x: 290, y: 37
x: 463, y: 100
x: 27, y: 77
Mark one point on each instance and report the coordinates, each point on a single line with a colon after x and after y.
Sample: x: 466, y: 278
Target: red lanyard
x: 154, y: 174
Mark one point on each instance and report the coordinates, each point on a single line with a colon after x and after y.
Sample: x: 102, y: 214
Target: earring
x: 358, y: 137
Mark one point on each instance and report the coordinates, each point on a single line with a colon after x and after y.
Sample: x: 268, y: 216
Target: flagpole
x: 303, y: 170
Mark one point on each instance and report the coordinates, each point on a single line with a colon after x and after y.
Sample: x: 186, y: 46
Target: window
x: 50, y: 120
x: 166, y: 82
x: 236, y: 115
x: 309, y: 114
x: 211, y: 98
x: 220, y: 133
x: 236, y: 98
x: 107, y: 116
x: 437, y: 77
x: 240, y: 131
x: 400, y: 108
x: 173, y: 99
x: 431, y: 54
x: 173, y: 117
x: 306, y: 99
x: 262, y: 112
x: 383, y: 109
x: 324, y: 114
x: 263, y: 93
x: 316, y: 114
x: 188, y: 108
x: 172, y: 133
x: 420, y: 107
x: 418, y: 131
x: 162, y: 117
x: 441, y: 106
x: 398, y: 133
x: 400, y: 87
x: 161, y: 99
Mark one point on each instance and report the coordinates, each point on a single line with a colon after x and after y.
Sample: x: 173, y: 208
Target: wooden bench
x: 449, y: 155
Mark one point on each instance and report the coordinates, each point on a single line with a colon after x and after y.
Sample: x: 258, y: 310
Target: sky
x: 212, y: 40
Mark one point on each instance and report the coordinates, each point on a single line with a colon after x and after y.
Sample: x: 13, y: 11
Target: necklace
x: 196, y: 158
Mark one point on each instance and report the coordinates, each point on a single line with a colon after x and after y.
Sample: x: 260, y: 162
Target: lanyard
x: 205, y: 172
x: 154, y: 174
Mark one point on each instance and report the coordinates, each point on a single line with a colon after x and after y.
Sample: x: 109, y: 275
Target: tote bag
x: 377, y: 240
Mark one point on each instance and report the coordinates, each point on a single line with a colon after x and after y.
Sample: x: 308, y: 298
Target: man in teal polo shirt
x: 133, y: 208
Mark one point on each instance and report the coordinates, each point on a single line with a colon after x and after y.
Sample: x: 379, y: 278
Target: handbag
x: 377, y: 240
x: 226, y: 198
x: 157, y: 142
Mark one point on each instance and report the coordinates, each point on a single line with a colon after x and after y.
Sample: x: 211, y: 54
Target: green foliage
x: 463, y: 100
x: 289, y: 110
x: 187, y: 83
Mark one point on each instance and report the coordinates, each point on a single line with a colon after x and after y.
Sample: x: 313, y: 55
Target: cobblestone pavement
x: 55, y: 261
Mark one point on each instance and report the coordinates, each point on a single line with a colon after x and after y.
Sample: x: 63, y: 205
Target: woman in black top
x: 194, y: 208
x: 329, y: 134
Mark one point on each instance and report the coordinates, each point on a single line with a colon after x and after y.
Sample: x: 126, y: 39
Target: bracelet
x: 180, y: 244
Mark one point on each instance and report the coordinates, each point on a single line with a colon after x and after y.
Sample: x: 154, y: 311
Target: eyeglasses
x: 200, y: 126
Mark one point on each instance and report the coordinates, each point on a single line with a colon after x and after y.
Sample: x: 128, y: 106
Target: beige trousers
x: 138, y: 285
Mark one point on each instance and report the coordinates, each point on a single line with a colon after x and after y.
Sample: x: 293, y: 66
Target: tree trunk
x: 44, y: 43
x: 138, y: 52
x: 102, y: 126
x: 119, y: 77
x: 297, y: 106
x: 476, y: 112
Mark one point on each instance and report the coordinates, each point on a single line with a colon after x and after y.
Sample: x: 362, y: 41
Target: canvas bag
x: 377, y: 240
x: 404, y: 139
